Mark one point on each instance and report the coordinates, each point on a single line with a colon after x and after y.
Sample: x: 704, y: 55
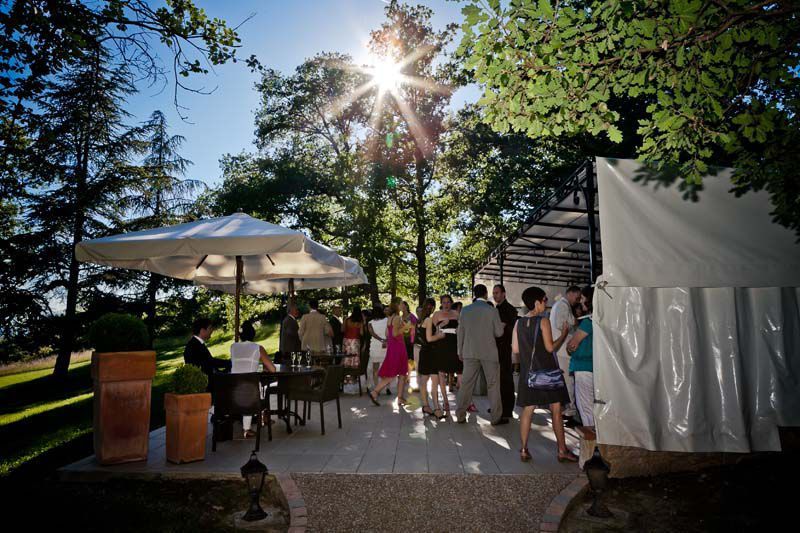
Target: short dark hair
x: 573, y: 288
x: 313, y: 304
x: 200, y: 323
x: 480, y: 291
x: 531, y: 295
x: 248, y: 332
x: 588, y: 293
x: 500, y: 286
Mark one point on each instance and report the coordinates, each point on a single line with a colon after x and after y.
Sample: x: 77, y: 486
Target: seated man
x: 197, y: 354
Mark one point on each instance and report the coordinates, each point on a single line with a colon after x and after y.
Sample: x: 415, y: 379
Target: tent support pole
x: 502, y: 261
x: 239, y: 267
x: 589, y: 196
x: 291, y: 290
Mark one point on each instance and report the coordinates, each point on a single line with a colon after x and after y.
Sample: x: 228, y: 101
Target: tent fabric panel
x: 696, y: 369
x: 654, y: 237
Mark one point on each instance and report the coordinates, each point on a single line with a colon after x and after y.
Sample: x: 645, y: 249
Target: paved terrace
x: 374, y: 440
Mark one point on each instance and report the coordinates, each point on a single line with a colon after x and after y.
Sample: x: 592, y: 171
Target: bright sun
x: 386, y: 74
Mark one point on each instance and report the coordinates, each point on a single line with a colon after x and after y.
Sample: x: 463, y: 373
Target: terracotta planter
x: 122, y: 382
x: 187, y: 426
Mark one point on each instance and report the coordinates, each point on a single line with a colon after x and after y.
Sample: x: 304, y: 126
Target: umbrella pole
x: 238, y: 295
x: 291, y: 290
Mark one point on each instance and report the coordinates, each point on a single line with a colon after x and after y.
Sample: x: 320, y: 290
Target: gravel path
x: 428, y: 502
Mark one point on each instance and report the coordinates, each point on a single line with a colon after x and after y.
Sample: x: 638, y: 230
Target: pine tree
x: 160, y: 196
x: 82, y: 154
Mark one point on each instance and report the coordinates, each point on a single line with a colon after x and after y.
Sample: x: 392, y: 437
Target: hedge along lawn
x: 43, y: 427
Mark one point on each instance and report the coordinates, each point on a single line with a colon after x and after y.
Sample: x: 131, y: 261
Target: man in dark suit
x: 196, y: 353
x: 290, y: 336
x: 508, y: 314
x: 336, y: 326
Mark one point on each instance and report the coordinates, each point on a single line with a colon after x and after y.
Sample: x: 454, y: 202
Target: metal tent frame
x: 559, y: 243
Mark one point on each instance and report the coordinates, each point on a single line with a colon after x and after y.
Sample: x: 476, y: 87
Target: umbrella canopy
x: 205, y: 250
x: 353, y: 275
x: 224, y: 251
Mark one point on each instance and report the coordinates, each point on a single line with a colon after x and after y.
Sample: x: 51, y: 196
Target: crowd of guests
x: 448, y: 347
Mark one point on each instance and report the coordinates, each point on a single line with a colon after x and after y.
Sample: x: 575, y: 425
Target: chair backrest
x: 236, y: 394
x: 333, y: 379
x: 362, y: 364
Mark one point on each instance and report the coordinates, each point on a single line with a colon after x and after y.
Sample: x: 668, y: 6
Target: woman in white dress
x: 245, y: 357
x: 377, y: 344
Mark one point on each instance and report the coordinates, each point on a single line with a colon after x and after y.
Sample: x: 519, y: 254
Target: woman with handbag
x: 541, y: 381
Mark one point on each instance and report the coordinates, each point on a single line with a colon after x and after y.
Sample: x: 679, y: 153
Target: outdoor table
x: 325, y: 359
x: 282, y: 375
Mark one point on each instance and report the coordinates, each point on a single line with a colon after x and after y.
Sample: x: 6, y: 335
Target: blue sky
x: 281, y: 34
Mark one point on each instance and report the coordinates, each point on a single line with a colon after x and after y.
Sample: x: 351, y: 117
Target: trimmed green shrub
x: 115, y: 332
x: 188, y: 379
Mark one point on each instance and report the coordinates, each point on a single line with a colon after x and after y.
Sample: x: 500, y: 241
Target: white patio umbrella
x: 224, y: 251
x: 352, y: 275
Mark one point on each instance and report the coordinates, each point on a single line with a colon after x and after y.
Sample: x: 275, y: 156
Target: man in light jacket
x: 315, y: 330
x: 478, y: 326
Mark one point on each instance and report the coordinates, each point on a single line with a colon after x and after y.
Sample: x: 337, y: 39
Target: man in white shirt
x: 560, y: 314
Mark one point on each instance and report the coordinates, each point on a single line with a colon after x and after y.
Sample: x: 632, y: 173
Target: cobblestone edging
x: 561, y: 504
x: 298, y: 515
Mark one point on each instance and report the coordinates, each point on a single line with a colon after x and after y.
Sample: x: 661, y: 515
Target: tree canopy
x: 718, y: 81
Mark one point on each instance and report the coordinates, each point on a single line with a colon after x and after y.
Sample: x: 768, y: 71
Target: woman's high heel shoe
x: 568, y: 457
x: 524, y: 455
x: 373, y: 399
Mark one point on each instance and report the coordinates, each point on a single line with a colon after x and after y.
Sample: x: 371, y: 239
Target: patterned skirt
x: 352, y: 348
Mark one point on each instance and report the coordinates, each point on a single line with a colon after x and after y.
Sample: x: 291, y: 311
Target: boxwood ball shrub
x: 116, y: 332
x: 189, y: 379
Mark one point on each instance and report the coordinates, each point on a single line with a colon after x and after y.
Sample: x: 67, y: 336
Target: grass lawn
x: 44, y: 426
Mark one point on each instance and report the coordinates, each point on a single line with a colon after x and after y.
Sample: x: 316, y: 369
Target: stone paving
x: 374, y: 440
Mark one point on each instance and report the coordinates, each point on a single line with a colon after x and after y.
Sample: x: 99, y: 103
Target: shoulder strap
x: 536, y: 326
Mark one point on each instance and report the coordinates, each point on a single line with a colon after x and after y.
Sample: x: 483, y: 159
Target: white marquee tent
x: 697, y: 327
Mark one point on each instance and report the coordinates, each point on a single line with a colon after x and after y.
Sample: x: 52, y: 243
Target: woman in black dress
x: 444, y: 345
x: 426, y: 369
x: 533, y: 341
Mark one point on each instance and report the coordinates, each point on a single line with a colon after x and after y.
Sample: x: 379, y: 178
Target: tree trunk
x: 421, y: 168
x: 345, y: 301
x: 422, y: 266
x: 372, y: 275
x: 152, y: 291
x: 82, y: 157
x: 393, y: 280
x: 70, y: 323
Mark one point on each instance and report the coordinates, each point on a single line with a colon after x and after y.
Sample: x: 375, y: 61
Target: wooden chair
x: 235, y: 396
x: 326, y: 391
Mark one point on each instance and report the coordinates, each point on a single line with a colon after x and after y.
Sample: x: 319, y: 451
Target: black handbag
x: 544, y: 380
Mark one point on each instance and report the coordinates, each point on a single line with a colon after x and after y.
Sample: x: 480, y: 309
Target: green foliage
x: 115, y: 332
x: 717, y: 80
x: 188, y: 379
x: 349, y: 163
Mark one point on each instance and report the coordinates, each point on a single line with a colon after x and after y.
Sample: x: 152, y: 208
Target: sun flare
x: 386, y: 74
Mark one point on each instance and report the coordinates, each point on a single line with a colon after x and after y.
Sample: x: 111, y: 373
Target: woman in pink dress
x: 396, y: 363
